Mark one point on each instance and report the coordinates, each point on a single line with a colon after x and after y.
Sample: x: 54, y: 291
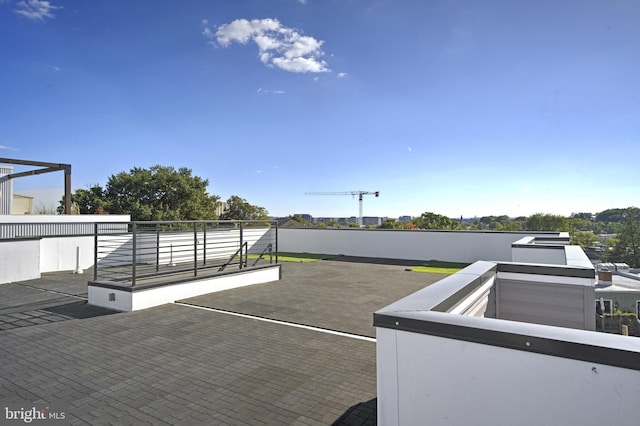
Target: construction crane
x: 360, y: 195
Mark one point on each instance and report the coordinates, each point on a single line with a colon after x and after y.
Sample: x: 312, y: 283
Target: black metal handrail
x: 150, y: 251
x: 269, y: 247
x: 233, y: 256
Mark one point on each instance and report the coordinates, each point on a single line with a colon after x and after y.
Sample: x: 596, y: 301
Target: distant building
x: 403, y: 219
x: 372, y: 220
x: 305, y: 216
x: 22, y: 204
x: 618, y: 287
x: 221, y: 208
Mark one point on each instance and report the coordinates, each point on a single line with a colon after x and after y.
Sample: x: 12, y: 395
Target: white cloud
x: 207, y: 33
x: 277, y: 92
x: 278, y: 45
x: 36, y: 10
x: 341, y: 75
x: 409, y: 149
x: 302, y: 1
x: 9, y: 148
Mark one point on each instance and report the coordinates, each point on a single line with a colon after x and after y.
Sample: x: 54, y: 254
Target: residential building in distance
x: 22, y: 204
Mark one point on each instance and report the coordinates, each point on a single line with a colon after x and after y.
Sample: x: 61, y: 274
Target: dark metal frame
x: 127, y: 261
x: 48, y: 167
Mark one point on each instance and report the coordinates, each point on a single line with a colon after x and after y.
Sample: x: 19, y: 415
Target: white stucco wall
x: 433, y: 380
x: 454, y: 246
x: 143, y: 299
x: 59, y: 253
x: 19, y: 260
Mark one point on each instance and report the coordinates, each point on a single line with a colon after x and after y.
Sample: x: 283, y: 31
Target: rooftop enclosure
x: 152, y: 263
x: 503, y: 343
x: 453, y: 246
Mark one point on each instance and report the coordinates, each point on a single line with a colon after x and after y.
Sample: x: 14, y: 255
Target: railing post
x: 204, y: 247
x: 157, y: 247
x: 195, y: 249
x: 241, y: 244
x: 95, y: 251
x: 276, y: 241
x: 133, y: 256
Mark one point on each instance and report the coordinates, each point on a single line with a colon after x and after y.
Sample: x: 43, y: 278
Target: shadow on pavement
x: 363, y: 413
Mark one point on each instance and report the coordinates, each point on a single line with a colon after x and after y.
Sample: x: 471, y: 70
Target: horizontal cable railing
x: 152, y: 251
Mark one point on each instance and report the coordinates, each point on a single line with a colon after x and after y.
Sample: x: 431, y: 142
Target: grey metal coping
x: 146, y: 286
x: 424, y: 312
x: 581, y: 345
x: 6, y: 240
x: 547, y: 269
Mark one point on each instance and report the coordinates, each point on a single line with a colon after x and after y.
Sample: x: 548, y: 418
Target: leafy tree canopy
x: 157, y: 193
x: 626, y: 247
x: 616, y: 215
x: 239, y: 209
x: 582, y: 216
x: 547, y: 222
x: 430, y: 220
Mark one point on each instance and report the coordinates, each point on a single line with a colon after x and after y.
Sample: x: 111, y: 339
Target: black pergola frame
x: 48, y: 167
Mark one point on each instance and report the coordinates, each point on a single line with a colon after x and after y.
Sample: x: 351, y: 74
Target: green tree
x: 430, y: 220
x: 512, y: 226
x: 583, y: 216
x: 390, y: 224
x: 547, y: 222
x: 239, y: 209
x: 610, y: 215
x: 157, y: 193
x: 626, y: 247
x: 89, y: 201
x: 584, y: 239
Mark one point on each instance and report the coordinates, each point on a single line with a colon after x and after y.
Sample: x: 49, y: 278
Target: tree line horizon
x: 162, y: 193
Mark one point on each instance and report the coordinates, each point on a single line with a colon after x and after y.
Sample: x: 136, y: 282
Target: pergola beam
x: 48, y: 167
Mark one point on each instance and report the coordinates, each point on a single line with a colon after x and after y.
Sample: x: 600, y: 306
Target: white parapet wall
x: 436, y: 380
x: 528, y: 356
x: 127, y: 299
x: 19, y: 260
x: 66, y: 253
x: 57, y: 243
x: 454, y: 246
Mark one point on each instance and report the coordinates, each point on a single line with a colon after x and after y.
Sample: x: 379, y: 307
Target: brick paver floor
x: 178, y: 364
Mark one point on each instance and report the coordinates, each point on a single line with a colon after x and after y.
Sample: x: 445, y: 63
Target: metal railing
x: 57, y: 229
x: 164, y: 251
x: 614, y: 324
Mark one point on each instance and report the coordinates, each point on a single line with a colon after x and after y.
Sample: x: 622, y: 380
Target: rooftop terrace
x: 296, y: 351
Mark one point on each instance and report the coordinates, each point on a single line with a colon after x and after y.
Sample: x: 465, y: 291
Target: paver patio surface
x: 177, y: 364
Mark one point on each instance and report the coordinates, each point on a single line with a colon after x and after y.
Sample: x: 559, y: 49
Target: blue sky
x: 457, y: 107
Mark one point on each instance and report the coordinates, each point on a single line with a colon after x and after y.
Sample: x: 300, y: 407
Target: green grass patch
x: 439, y: 267
x: 298, y: 257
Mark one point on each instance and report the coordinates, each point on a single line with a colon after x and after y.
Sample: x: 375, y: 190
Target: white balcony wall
x: 454, y: 246
x: 429, y: 380
x: 60, y: 253
x: 24, y: 259
x: 19, y: 260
